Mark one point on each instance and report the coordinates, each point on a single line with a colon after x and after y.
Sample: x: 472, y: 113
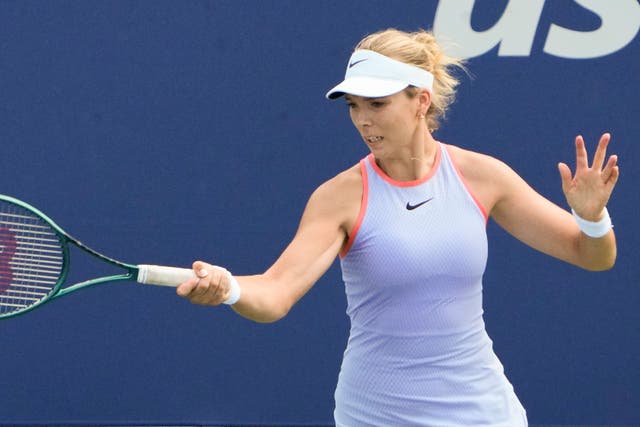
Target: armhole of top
x: 479, y: 205
x: 363, y: 209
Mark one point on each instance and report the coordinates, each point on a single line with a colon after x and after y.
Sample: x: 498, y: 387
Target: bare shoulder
x: 347, y: 181
x: 338, y: 198
x: 487, y: 177
x: 474, y: 165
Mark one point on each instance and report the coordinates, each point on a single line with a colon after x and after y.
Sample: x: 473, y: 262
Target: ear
x: 424, y: 99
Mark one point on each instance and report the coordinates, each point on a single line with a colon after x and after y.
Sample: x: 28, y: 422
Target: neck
x: 413, y: 163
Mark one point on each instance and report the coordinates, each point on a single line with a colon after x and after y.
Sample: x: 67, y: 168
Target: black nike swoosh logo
x: 357, y: 62
x: 411, y: 207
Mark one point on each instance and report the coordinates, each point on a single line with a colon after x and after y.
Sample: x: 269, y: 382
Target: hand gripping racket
x: 34, y: 261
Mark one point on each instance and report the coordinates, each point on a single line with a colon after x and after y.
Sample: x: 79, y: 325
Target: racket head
x: 34, y: 257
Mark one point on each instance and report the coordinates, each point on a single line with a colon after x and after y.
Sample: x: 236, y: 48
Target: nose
x: 361, y: 117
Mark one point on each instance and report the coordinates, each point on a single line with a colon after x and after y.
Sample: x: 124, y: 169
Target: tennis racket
x: 35, y: 258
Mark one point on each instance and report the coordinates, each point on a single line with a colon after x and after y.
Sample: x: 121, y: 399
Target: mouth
x: 373, y: 139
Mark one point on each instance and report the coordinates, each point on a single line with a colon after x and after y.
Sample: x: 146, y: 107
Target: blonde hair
x: 420, y: 49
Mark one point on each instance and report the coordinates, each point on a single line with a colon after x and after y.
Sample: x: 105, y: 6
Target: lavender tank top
x: 418, y: 353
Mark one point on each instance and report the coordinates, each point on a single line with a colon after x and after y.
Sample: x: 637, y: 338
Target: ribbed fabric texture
x: 418, y: 353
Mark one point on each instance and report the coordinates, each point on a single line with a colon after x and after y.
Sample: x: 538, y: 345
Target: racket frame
x: 130, y: 270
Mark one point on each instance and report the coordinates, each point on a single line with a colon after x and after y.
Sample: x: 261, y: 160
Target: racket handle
x: 163, y: 276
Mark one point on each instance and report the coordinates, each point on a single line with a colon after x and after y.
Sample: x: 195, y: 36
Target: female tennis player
x: 408, y: 223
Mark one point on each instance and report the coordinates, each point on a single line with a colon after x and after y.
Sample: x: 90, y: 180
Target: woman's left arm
x: 536, y: 221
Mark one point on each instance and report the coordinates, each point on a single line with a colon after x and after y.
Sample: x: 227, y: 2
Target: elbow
x: 277, y: 309
x: 601, y: 264
x: 268, y: 313
x: 597, y: 268
x: 267, y: 302
x: 602, y: 267
x: 271, y: 316
x: 597, y: 254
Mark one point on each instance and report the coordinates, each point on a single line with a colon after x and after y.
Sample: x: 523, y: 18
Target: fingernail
x: 203, y: 273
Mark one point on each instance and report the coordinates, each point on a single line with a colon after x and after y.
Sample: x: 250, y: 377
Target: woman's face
x: 388, y: 124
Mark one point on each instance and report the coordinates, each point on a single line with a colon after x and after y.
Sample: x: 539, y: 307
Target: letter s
x: 620, y: 24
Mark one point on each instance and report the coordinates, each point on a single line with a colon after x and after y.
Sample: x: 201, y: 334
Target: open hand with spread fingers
x: 588, y: 190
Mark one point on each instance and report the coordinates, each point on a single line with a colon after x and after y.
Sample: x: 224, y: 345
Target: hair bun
x: 420, y: 49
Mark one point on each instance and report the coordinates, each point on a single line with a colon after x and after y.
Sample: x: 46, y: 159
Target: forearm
x: 261, y: 300
x: 596, y: 242
x: 597, y: 254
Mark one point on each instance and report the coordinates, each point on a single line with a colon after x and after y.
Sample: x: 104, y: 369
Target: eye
x: 377, y: 103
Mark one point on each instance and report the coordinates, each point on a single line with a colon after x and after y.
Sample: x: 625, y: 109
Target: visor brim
x: 369, y: 87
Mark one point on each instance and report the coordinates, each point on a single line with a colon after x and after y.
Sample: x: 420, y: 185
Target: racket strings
x: 31, y: 258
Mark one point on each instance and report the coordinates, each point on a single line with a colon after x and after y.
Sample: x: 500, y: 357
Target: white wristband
x: 234, y: 291
x: 594, y: 229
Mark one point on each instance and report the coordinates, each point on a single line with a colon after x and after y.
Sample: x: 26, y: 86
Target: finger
x: 199, y: 295
x: 608, y: 168
x: 582, y: 161
x: 199, y: 265
x: 203, y: 283
x: 219, y: 280
x: 613, y: 179
x: 201, y: 271
x: 565, y: 176
x: 184, y: 290
x: 601, y: 151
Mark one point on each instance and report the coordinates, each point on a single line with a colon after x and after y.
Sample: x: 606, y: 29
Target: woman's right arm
x: 320, y: 236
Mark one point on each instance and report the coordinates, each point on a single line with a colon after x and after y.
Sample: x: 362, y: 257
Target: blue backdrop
x: 160, y: 131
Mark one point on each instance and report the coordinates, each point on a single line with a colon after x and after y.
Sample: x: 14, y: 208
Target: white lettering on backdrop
x: 516, y: 29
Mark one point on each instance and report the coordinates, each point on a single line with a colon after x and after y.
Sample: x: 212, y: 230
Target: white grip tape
x: 163, y: 276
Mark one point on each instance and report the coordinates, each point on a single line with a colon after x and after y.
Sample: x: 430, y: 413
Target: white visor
x: 373, y: 75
